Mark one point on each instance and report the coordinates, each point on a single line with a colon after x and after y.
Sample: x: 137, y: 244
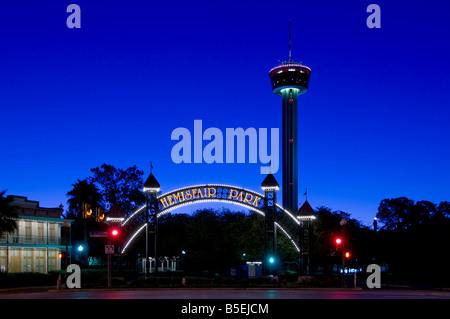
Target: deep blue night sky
x: 373, y: 125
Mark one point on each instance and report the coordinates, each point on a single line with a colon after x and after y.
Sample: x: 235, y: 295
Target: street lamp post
x: 83, y: 211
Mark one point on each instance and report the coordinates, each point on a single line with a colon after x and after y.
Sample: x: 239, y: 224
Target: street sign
x: 109, y: 249
x: 98, y: 234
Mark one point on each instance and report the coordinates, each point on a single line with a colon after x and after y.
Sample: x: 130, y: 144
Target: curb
x: 198, y: 288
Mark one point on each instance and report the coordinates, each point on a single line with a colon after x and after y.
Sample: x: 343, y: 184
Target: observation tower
x: 289, y: 80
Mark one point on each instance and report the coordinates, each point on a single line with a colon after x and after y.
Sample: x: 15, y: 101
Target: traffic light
x: 62, y: 257
x: 100, y: 214
x: 115, y: 232
x: 339, y: 243
x: 87, y: 210
x: 271, y: 260
x: 347, y: 255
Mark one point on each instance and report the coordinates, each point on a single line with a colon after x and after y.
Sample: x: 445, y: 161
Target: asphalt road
x: 226, y: 303
x: 228, y: 294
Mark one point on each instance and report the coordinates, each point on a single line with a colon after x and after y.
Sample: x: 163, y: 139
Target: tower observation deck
x: 289, y: 80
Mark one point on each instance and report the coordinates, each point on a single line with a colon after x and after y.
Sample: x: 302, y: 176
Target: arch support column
x: 151, y: 189
x: 270, y: 187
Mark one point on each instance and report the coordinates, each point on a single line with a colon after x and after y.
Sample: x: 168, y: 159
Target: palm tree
x: 7, y: 214
x: 83, y: 192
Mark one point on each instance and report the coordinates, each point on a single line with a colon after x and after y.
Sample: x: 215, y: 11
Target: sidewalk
x: 16, y: 290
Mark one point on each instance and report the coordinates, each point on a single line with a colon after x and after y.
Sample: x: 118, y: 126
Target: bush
x: 13, y: 280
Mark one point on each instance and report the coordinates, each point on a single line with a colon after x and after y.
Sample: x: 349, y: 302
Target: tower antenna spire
x: 290, y: 40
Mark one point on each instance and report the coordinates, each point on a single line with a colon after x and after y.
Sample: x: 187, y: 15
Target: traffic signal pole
x: 109, y: 258
x: 114, y: 221
x: 343, y: 224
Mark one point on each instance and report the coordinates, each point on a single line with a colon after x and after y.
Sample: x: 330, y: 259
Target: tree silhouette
x: 396, y: 214
x: 83, y: 192
x: 121, y: 186
x: 413, y: 240
x: 7, y: 214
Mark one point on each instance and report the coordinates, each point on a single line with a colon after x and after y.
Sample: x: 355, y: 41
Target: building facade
x: 41, y: 235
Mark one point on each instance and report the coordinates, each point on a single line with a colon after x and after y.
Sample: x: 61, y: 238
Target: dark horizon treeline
x: 414, y: 239
x: 411, y: 242
x: 411, y: 252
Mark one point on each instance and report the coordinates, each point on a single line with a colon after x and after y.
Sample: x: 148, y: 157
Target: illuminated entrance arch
x: 145, y: 219
x: 256, y: 202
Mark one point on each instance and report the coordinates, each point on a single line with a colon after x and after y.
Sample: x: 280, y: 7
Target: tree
x: 443, y: 209
x: 212, y: 239
x: 396, y: 213
x: 107, y: 186
x: 325, y: 228
x: 83, y: 192
x: 120, y: 186
x: 7, y: 214
x: 412, y: 239
x: 402, y: 213
x: 245, y: 234
x: 205, y: 241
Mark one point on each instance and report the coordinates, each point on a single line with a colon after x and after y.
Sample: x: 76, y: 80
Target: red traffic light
x: 338, y: 241
x: 115, y: 232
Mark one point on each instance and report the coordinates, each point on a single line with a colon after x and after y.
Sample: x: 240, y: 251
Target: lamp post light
x: 271, y: 261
